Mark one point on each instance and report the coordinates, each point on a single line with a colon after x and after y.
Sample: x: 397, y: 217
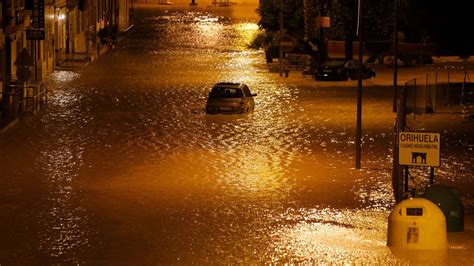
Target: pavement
x: 79, y: 60
x: 72, y: 62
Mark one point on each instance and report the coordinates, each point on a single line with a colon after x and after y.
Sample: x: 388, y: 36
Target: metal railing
x: 23, y: 98
x: 445, y: 89
x: 35, y: 96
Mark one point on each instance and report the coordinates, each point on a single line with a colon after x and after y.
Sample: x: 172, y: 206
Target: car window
x: 351, y: 64
x: 247, y: 91
x: 334, y: 63
x: 223, y: 92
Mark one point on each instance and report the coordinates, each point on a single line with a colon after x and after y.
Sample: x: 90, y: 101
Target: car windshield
x: 334, y: 63
x: 222, y: 92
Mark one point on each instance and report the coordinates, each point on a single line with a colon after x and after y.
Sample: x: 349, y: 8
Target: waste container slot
x: 414, y: 212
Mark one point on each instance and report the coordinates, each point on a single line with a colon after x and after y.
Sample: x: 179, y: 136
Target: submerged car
x: 230, y: 98
x: 341, y: 69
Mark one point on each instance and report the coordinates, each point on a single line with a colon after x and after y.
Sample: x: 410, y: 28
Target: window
x: 247, y: 91
x: 222, y: 92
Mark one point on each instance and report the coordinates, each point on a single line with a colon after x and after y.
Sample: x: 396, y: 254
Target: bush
x: 262, y: 40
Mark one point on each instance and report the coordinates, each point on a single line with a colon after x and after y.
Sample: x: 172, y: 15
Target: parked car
x: 341, y: 69
x: 230, y: 98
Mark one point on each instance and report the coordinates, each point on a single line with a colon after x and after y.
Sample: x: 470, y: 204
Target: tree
x: 343, y: 13
x: 293, y: 19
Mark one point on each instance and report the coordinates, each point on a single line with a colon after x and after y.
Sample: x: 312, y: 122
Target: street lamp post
x: 281, y: 38
x: 395, y: 57
x: 359, y: 89
x: 397, y: 183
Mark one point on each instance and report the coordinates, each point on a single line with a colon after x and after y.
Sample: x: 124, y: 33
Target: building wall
x: 68, y: 31
x: 123, y: 15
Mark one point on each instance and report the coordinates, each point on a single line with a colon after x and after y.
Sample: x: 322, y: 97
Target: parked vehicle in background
x: 341, y: 69
x: 230, y: 98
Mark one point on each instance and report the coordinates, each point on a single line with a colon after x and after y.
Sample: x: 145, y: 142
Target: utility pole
x: 281, y: 38
x: 395, y: 57
x: 397, y: 171
x: 359, y: 89
x: 306, y: 19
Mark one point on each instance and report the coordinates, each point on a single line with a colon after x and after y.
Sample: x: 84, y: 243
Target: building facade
x: 38, y: 35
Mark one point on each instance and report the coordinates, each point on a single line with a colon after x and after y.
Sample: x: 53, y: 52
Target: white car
x: 230, y: 98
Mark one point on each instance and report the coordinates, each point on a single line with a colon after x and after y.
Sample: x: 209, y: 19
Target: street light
x: 397, y: 183
x: 281, y: 38
x: 359, y: 88
x: 395, y: 57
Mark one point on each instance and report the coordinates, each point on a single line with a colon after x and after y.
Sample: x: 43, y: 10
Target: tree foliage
x: 418, y: 20
x: 378, y: 16
x: 293, y: 19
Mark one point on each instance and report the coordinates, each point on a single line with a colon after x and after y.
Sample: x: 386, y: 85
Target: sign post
x: 419, y: 149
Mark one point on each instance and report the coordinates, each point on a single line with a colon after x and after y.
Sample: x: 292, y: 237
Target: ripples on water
x: 131, y: 169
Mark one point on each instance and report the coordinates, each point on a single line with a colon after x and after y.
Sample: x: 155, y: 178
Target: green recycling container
x: 447, y: 199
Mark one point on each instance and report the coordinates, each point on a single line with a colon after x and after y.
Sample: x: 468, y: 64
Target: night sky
x: 451, y: 24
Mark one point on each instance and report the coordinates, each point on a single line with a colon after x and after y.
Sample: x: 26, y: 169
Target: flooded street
x: 125, y: 168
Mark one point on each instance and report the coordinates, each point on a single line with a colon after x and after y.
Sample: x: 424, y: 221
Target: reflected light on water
x: 64, y: 76
x: 332, y: 236
x: 64, y: 221
x: 243, y: 62
x: 256, y: 175
x: 247, y: 31
x: 209, y: 28
x: 64, y: 224
x: 64, y: 98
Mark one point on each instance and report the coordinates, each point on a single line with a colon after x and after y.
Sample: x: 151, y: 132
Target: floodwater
x: 124, y: 167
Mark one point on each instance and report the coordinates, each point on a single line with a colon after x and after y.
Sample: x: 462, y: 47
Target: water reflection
x: 132, y: 172
x: 64, y: 224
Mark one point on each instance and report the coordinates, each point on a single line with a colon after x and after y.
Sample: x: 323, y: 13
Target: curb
x: 5, y: 127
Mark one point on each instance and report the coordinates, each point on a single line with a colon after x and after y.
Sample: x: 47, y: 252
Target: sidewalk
x: 76, y: 61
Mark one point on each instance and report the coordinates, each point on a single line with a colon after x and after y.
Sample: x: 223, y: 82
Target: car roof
x: 229, y: 84
x: 333, y: 63
x: 338, y: 61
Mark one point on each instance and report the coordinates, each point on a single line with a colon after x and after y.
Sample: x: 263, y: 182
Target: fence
x: 444, y: 90
x: 449, y: 88
x: 23, y: 98
x: 35, y: 96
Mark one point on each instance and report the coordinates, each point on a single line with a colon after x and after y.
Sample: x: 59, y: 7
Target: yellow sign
x: 419, y: 148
